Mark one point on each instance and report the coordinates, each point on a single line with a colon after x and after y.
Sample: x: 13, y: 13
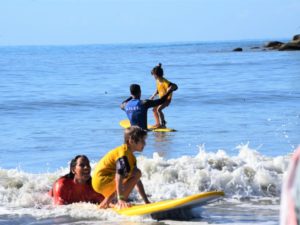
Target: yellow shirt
x: 119, y: 160
x: 162, y: 87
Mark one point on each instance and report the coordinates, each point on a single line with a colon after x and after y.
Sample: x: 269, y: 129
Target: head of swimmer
x: 135, y: 91
x: 80, y: 169
x: 135, y: 138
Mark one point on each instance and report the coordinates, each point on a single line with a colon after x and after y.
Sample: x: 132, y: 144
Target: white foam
x: 247, y: 176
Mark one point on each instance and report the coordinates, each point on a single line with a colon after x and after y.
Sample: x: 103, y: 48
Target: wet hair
x: 135, y: 133
x: 135, y: 89
x: 157, y: 70
x: 73, y: 164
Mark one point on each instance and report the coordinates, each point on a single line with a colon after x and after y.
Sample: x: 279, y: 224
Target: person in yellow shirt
x: 162, y: 85
x: 116, y: 174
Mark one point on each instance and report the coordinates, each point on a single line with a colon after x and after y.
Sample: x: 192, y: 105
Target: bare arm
x: 141, y: 190
x: 156, y: 102
x: 154, y: 94
x: 120, y: 192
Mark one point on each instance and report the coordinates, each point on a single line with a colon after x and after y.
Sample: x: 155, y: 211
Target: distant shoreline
x: 145, y: 43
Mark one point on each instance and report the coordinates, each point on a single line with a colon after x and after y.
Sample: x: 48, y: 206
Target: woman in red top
x: 76, y: 185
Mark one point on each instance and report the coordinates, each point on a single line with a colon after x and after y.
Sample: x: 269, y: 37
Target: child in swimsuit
x: 116, y: 174
x: 162, y: 86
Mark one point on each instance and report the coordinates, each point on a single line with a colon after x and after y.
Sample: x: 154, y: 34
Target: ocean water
x: 237, y: 116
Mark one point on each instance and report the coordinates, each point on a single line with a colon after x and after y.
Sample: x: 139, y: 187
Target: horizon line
x: 143, y: 43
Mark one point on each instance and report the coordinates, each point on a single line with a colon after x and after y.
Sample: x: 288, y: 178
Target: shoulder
x: 60, y: 190
x: 166, y: 81
x: 117, y: 152
x: 122, y: 149
x: 63, y: 182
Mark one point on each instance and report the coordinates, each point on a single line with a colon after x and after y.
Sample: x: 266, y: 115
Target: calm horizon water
x: 236, y: 114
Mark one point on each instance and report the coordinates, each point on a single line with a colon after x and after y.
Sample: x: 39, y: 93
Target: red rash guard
x: 66, y: 191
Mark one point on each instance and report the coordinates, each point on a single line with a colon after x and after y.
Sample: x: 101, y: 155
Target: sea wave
x: 246, y: 178
x: 249, y: 174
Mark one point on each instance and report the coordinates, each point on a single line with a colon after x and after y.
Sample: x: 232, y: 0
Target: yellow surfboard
x: 126, y: 124
x: 162, y: 206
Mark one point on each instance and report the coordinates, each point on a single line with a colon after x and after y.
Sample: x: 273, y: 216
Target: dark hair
x: 157, y: 70
x: 73, y: 165
x: 135, y: 133
x: 135, y: 89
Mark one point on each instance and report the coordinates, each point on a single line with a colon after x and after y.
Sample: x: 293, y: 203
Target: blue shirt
x: 137, y: 109
x: 137, y: 113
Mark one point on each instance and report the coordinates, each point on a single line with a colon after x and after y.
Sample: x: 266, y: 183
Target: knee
x: 137, y: 173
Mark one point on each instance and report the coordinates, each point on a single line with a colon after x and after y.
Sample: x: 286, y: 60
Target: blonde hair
x: 135, y: 133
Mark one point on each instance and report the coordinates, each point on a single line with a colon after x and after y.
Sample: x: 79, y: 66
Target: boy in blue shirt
x: 136, y: 109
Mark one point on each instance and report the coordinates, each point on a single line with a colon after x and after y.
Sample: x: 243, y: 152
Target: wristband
x: 120, y: 197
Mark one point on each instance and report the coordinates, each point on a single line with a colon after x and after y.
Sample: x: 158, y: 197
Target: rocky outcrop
x: 273, y: 44
x: 292, y: 45
x: 296, y: 37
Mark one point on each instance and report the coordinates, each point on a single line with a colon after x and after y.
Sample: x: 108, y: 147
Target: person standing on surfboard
x: 136, y: 109
x: 162, y: 85
x: 116, y: 174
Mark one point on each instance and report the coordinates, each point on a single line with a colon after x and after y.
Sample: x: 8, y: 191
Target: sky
x: 72, y: 22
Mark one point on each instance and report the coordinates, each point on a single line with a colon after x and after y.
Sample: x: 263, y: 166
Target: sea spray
x: 247, y: 176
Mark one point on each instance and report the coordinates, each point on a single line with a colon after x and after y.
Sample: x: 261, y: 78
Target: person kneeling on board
x: 136, y: 109
x: 116, y: 174
x: 76, y: 186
